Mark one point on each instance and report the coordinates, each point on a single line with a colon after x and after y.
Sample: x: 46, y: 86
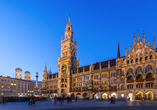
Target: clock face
x: 63, y: 69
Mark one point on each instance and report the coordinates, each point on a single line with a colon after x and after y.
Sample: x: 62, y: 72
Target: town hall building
x: 131, y: 76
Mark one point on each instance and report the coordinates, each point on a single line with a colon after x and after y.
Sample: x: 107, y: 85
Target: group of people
x: 32, y: 101
x: 2, y: 100
x: 68, y: 98
x: 113, y: 99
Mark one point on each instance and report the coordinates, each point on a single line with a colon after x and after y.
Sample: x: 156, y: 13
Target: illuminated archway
x: 130, y: 96
x: 104, y: 96
x: 114, y: 95
x: 139, y: 95
x: 149, y: 95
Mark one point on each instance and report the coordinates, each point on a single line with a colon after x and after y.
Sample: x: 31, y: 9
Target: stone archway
x: 95, y: 96
x: 73, y: 96
x: 79, y: 95
x: 139, y: 95
x: 85, y: 95
x: 149, y: 95
x: 104, y: 96
x: 130, y: 96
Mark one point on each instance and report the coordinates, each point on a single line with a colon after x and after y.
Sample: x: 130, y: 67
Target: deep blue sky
x: 31, y: 30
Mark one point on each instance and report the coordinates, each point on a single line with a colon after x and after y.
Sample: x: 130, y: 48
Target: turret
x: 27, y: 75
x: 118, y: 53
x: 18, y: 73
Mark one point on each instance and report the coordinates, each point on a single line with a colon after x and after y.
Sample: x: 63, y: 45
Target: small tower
x: 27, y: 75
x: 45, y: 73
x: 18, y: 73
x: 118, y: 53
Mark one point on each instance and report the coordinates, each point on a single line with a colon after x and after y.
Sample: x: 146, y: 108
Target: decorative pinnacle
x: 69, y: 20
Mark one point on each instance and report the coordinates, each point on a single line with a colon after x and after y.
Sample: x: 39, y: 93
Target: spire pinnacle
x: 69, y: 20
x: 45, y: 67
x: 118, y: 54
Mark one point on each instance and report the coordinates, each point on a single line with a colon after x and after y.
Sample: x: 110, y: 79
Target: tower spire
x: 45, y: 67
x: 69, y: 20
x: 118, y: 54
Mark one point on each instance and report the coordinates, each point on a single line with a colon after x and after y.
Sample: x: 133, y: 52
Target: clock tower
x: 67, y: 62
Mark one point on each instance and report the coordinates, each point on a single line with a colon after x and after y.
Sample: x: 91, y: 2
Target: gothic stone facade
x: 131, y: 76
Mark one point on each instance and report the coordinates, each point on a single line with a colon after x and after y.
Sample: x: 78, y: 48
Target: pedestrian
x: 76, y: 99
x: 0, y: 99
x: 111, y: 100
x: 55, y: 100
x: 3, y: 100
x: 61, y: 100
x: 114, y: 99
x: 33, y: 100
x: 30, y: 101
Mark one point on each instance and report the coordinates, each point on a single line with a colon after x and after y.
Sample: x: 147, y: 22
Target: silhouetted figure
x: 30, y: 101
x: 33, y: 100
x: 76, y: 99
x: 55, y: 100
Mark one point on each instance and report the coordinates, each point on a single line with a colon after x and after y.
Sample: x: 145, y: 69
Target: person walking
x: 76, y: 99
x: 33, y: 100
x: 30, y: 101
x: 111, y: 100
x: 114, y: 99
x: 55, y: 100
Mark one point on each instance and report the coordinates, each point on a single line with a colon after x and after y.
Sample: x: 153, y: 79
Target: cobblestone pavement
x: 81, y: 105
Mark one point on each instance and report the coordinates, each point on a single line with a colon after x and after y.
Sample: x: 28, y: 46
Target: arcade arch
x: 149, y: 95
x: 104, y: 96
x: 139, y: 95
x: 130, y: 96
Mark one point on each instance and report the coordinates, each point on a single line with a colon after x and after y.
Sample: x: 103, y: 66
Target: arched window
x: 128, y: 62
x: 139, y: 77
x: 139, y: 69
x: 149, y: 75
x: 146, y: 58
x: 132, y: 61
x: 151, y: 57
x: 141, y: 59
x: 149, y: 67
x: 129, y: 78
x: 130, y: 71
x: 136, y: 59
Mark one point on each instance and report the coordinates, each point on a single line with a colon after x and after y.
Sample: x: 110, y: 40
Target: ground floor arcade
x: 131, y: 95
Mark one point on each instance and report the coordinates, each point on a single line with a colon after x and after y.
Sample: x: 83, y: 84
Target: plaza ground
x: 81, y: 105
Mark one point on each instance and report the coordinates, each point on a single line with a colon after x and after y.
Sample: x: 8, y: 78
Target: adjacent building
x: 18, y: 87
x: 131, y: 76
